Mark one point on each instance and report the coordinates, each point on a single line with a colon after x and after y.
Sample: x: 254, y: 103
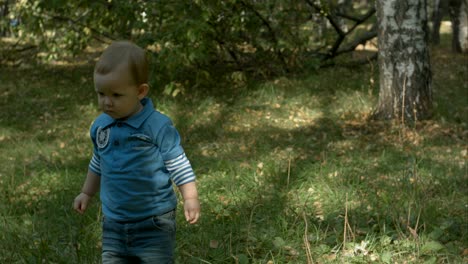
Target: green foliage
x: 194, y: 43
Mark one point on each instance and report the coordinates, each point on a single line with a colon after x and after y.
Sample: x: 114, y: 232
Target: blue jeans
x: 149, y: 241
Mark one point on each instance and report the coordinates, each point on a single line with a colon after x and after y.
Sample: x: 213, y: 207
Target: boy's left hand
x: 192, y: 210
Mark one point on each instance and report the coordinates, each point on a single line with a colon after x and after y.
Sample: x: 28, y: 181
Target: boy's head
x: 126, y: 56
x: 121, y: 79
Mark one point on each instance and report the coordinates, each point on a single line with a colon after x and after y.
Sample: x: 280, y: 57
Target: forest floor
x: 289, y: 170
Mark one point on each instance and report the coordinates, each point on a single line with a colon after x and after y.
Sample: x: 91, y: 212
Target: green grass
x: 277, y: 161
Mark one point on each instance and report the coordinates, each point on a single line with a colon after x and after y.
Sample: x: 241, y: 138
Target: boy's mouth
x: 109, y: 112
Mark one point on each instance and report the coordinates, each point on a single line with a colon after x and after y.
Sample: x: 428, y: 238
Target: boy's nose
x: 107, y: 101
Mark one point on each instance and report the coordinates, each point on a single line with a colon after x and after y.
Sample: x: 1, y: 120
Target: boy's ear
x: 143, y: 90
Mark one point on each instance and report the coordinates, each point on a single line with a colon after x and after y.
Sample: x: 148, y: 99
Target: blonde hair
x: 124, y: 53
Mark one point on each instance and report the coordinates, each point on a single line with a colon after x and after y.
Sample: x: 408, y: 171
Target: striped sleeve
x: 180, y: 169
x: 95, y: 164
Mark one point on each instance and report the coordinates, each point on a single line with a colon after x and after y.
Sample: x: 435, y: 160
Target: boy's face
x: 117, y: 95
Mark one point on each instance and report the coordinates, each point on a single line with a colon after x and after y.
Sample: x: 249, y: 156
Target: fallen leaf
x: 214, y: 244
x: 291, y: 251
x: 330, y: 257
x: 413, y: 232
x: 465, y: 252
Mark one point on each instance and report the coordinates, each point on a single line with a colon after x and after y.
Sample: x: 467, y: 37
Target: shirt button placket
x: 116, y: 142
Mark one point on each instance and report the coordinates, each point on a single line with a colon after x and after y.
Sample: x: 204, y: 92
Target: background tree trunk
x: 440, y: 8
x: 454, y: 11
x: 405, y: 74
x: 4, y: 25
x: 462, y: 37
x: 458, y: 13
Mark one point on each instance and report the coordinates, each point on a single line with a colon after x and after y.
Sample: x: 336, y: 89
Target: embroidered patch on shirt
x: 102, y: 137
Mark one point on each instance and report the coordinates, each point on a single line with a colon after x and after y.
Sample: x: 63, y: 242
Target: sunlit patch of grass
x: 353, y: 105
x: 36, y: 188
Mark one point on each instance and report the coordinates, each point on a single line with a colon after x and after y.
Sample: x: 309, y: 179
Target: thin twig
x: 306, y: 241
x: 250, y: 219
x: 409, y: 215
x: 351, y: 233
x: 345, y: 223
x: 403, y: 102
x: 417, y: 221
x: 193, y: 257
x: 289, y: 173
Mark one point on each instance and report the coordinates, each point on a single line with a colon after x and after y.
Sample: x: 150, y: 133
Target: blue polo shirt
x: 132, y: 158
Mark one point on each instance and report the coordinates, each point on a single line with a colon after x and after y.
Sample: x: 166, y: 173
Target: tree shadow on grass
x: 46, y: 114
x: 44, y: 94
x: 40, y: 224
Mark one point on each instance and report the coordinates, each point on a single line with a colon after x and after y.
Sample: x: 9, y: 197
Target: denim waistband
x: 170, y: 213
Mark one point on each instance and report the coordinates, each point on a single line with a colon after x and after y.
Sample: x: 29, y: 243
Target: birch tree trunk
x: 404, y: 66
x: 464, y: 27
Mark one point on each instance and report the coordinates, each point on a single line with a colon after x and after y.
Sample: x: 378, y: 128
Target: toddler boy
x: 136, y: 159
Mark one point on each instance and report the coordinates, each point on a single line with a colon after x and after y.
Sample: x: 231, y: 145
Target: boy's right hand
x: 81, y: 202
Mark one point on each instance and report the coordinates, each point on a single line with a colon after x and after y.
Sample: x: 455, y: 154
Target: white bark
x: 463, y: 19
x: 405, y: 76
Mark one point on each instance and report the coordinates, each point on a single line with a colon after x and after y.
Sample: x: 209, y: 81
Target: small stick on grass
x: 289, y: 173
x: 345, y: 223
x: 347, y: 227
x: 403, y: 103
x: 306, y: 241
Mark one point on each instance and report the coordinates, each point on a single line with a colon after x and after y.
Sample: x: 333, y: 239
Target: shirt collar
x: 136, y: 120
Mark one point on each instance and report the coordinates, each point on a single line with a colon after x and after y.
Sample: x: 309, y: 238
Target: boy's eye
x: 117, y: 95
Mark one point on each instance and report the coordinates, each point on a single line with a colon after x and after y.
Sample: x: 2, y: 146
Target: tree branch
x: 327, y: 16
x: 357, y: 19
x: 335, y: 50
x: 356, y: 42
x: 271, y: 31
x: 96, y: 33
x: 363, y: 19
